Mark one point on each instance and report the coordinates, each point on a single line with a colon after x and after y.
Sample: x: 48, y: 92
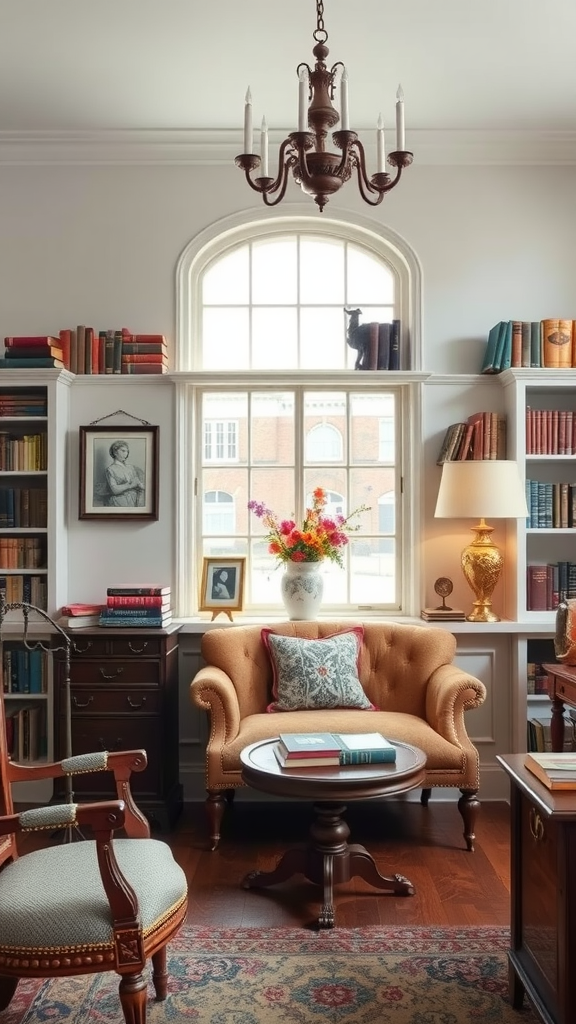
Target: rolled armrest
x: 450, y: 692
x: 213, y: 690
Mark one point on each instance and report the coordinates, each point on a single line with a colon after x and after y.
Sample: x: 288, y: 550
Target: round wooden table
x: 328, y: 857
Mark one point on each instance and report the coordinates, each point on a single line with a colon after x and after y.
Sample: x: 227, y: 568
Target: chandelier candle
x: 380, y: 162
x: 320, y: 172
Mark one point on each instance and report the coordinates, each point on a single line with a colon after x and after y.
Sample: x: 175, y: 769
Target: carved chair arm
x: 103, y: 818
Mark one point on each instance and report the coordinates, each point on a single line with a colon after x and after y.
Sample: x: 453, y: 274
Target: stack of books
x: 443, y: 614
x: 140, y: 605
x: 143, y: 353
x: 556, y: 771
x: 306, y: 750
x: 25, y: 352
x: 80, y: 616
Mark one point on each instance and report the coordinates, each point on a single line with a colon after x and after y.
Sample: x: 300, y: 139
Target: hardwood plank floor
x: 453, y: 887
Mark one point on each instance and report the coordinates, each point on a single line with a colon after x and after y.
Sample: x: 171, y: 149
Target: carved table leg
x: 557, y: 724
x: 327, y: 913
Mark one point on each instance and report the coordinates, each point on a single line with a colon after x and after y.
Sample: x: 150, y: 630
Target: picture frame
x: 222, y: 586
x: 119, y: 473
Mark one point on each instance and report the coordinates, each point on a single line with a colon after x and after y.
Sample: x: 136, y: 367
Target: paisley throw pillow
x: 315, y: 674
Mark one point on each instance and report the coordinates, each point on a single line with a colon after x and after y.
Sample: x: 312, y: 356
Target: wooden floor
x: 453, y: 887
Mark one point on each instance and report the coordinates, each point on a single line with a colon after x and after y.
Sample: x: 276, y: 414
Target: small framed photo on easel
x: 222, y: 587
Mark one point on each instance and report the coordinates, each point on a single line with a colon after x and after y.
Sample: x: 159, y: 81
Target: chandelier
x: 319, y: 172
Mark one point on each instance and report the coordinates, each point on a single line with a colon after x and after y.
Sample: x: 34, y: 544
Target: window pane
x: 321, y: 271
x: 274, y: 339
x: 369, y: 280
x: 275, y: 489
x: 322, y: 338
x: 225, y: 282
x: 225, y: 336
x: 367, y: 413
x: 373, y: 573
x: 272, y: 429
x: 274, y: 267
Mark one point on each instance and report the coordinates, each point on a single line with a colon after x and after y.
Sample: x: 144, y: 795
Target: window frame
x: 214, y: 241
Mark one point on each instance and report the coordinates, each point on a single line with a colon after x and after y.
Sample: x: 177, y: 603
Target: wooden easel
x: 222, y: 611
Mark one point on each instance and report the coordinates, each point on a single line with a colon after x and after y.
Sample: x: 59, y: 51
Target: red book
x: 138, y: 600
x: 129, y: 589
x: 81, y: 609
x: 147, y: 357
x: 144, y: 367
x: 143, y: 347
x: 24, y: 341
x: 65, y: 345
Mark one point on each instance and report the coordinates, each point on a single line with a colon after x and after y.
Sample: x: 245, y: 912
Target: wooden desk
x: 543, y: 894
x: 561, y: 690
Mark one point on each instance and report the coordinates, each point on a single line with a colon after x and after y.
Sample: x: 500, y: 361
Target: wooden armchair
x: 102, y: 904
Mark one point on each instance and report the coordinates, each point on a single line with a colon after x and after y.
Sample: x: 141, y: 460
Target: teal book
x: 503, y: 357
x: 488, y: 364
x: 153, y: 622
x: 535, y: 344
x: 49, y: 362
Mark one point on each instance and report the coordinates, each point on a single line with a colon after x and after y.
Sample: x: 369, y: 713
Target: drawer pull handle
x: 78, y: 704
x: 113, y: 675
x: 137, y: 650
x: 81, y: 650
x: 136, y: 706
x: 536, y: 825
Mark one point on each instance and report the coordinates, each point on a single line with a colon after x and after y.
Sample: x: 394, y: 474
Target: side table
x: 543, y: 894
x: 561, y: 690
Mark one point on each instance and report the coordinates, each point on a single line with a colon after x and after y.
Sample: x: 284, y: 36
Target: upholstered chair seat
x: 404, y: 674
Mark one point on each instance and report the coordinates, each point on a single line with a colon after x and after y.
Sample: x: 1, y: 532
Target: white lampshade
x: 481, y: 489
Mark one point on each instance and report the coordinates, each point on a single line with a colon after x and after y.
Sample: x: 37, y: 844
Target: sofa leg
x: 425, y: 796
x: 215, y: 805
x: 229, y: 794
x: 469, y: 805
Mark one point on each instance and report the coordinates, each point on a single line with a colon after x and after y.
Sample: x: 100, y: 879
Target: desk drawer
x: 106, y: 672
x: 104, y: 701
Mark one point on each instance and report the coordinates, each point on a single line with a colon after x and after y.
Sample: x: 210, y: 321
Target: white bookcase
x: 49, y: 484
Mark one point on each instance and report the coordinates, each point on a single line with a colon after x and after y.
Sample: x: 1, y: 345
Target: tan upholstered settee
x: 405, y: 670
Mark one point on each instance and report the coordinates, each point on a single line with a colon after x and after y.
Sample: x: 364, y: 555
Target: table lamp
x: 481, y: 489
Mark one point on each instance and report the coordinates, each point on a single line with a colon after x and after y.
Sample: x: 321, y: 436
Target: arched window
x: 274, y: 396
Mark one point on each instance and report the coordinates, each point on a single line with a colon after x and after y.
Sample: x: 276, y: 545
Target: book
x: 150, y: 357
x: 489, y: 363
x: 143, y: 348
x: 78, y: 621
x: 147, y: 367
x: 349, y: 748
x: 384, y: 330
x: 318, y: 761
x: 394, y: 357
x: 35, y: 352
x: 151, y: 589
x: 81, y: 609
x: 42, y: 363
x: 139, y: 601
x: 556, y: 771
x: 127, y: 612
x: 24, y: 341
x: 156, y: 622
x: 443, y: 615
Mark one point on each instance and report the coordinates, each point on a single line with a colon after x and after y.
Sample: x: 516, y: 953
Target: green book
x: 488, y: 365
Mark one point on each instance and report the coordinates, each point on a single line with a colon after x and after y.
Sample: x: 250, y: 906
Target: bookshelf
x: 33, y: 558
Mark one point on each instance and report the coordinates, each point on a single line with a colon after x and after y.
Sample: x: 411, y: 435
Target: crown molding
x: 215, y: 146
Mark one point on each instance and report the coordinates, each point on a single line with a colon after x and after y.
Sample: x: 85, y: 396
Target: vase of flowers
x: 302, y: 549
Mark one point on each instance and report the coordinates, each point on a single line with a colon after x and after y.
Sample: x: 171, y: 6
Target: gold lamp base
x: 482, y: 564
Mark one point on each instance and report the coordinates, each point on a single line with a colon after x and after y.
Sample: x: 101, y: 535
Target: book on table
x: 556, y: 771
x: 296, y: 750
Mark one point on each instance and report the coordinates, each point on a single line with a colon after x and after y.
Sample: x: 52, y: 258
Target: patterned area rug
x: 293, y: 976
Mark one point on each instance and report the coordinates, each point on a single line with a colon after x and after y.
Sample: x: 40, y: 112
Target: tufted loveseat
x: 406, y: 671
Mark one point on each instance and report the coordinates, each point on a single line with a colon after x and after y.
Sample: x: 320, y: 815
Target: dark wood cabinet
x: 124, y: 696
x: 543, y: 884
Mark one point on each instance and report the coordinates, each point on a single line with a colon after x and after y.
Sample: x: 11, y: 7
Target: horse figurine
x: 358, y: 337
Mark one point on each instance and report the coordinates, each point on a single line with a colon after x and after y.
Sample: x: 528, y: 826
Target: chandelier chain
x: 320, y: 34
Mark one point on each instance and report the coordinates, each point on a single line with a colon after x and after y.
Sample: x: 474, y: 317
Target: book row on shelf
x: 135, y: 606
x: 84, y: 350
x: 547, y: 584
x: 550, y: 432
x: 538, y: 737
x: 27, y: 453
x: 536, y: 679
x: 23, y: 670
x: 32, y: 589
x: 23, y: 552
x: 26, y: 730
x: 383, y: 348
x: 15, y: 402
x: 481, y: 436
x: 551, y: 506
x: 549, y: 343
x: 23, y: 507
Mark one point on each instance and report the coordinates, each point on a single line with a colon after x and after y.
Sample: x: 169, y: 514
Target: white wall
x: 99, y: 245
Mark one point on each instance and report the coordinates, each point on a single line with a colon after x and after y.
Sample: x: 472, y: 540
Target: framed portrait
x: 118, y: 473
x: 222, y: 587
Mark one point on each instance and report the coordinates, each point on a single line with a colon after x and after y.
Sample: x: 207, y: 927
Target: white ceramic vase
x: 302, y: 587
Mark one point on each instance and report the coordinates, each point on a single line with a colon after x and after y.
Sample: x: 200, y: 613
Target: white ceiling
x: 482, y: 65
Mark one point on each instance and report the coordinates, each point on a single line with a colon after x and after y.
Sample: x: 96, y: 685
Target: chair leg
x: 425, y: 796
x: 215, y: 805
x: 469, y: 805
x: 230, y: 794
x: 8, y: 986
x: 133, y: 993
x: 160, y: 974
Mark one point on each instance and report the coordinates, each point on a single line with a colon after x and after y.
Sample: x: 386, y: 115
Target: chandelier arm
x: 365, y: 186
x: 282, y: 184
x: 283, y: 165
